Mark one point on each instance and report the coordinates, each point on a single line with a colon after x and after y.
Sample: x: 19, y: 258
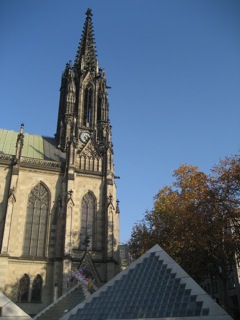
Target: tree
x: 196, y: 220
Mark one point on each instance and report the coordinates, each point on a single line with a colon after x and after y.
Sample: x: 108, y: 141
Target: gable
x: 89, y: 158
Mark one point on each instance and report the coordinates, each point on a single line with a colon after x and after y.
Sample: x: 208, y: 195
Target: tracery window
x: 87, y: 221
x: 36, y: 222
x: 99, y: 108
x: 23, y: 288
x: 37, y: 289
x: 87, y: 106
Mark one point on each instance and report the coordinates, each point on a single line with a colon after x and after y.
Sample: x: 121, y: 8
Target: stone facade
x: 58, y: 195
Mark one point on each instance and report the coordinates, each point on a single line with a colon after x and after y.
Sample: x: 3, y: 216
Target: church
x: 58, y: 205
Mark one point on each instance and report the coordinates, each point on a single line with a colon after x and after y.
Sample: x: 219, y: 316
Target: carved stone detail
x: 89, y: 158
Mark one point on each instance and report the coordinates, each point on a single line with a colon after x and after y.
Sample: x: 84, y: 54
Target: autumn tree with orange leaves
x: 197, y: 221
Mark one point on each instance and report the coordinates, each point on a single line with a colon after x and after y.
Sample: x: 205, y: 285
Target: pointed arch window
x: 88, y: 106
x: 37, y: 289
x: 36, y: 222
x: 88, y: 221
x: 99, y: 108
x: 23, y: 288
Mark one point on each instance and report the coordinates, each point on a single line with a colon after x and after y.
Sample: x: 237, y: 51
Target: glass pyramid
x: 154, y: 286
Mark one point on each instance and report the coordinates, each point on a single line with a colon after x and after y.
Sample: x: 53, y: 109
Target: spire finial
x: 89, y: 13
x: 86, y: 57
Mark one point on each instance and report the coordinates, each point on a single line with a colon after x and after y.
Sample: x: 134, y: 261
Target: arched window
x: 99, y: 108
x: 36, y: 222
x: 88, y: 221
x: 37, y: 289
x: 87, y: 106
x: 23, y: 288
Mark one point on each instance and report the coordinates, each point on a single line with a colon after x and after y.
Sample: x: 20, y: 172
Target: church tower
x: 58, y: 206
x: 84, y: 134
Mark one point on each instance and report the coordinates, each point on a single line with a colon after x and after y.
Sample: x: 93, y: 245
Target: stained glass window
x: 36, y: 222
x: 87, y: 221
x: 87, y: 106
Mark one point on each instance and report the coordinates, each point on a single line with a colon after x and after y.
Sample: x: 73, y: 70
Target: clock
x: 84, y: 137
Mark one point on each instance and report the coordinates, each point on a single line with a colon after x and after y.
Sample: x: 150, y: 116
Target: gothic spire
x: 86, y: 57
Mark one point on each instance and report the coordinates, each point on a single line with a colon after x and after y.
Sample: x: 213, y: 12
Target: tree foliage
x: 196, y: 220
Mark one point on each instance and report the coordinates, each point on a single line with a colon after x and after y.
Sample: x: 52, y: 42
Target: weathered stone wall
x: 12, y: 263
x: 16, y: 269
x: 4, y: 186
x: 26, y: 181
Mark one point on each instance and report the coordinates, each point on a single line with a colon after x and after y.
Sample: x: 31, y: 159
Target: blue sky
x: 174, y: 69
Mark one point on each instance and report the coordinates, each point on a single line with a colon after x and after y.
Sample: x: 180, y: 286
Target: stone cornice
x: 20, y: 260
x: 6, y: 158
x: 46, y: 164
x: 88, y: 172
x: 33, y: 163
x: 41, y: 170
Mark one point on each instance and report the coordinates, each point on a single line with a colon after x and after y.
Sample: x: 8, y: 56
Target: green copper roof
x: 37, y: 147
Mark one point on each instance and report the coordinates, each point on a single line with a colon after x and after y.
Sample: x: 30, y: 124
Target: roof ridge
x: 32, y: 134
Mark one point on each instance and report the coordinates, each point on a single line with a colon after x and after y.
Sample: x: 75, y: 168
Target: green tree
x: 196, y: 220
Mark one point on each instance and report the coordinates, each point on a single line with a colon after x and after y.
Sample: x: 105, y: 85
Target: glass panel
x: 88, y: 221
x: 36, y: 221
x: 205, y: 312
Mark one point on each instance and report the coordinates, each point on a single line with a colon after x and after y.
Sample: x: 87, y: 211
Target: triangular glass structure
x: 64, y: 304
x: 9, y: 310
x: 154, y: 286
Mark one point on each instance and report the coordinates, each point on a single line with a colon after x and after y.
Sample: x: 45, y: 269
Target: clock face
x: 84, y: 137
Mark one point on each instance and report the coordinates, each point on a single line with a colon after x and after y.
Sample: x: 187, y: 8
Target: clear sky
x: 174, y: 69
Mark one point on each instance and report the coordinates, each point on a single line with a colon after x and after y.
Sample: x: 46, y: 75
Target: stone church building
x: 58, y: 204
